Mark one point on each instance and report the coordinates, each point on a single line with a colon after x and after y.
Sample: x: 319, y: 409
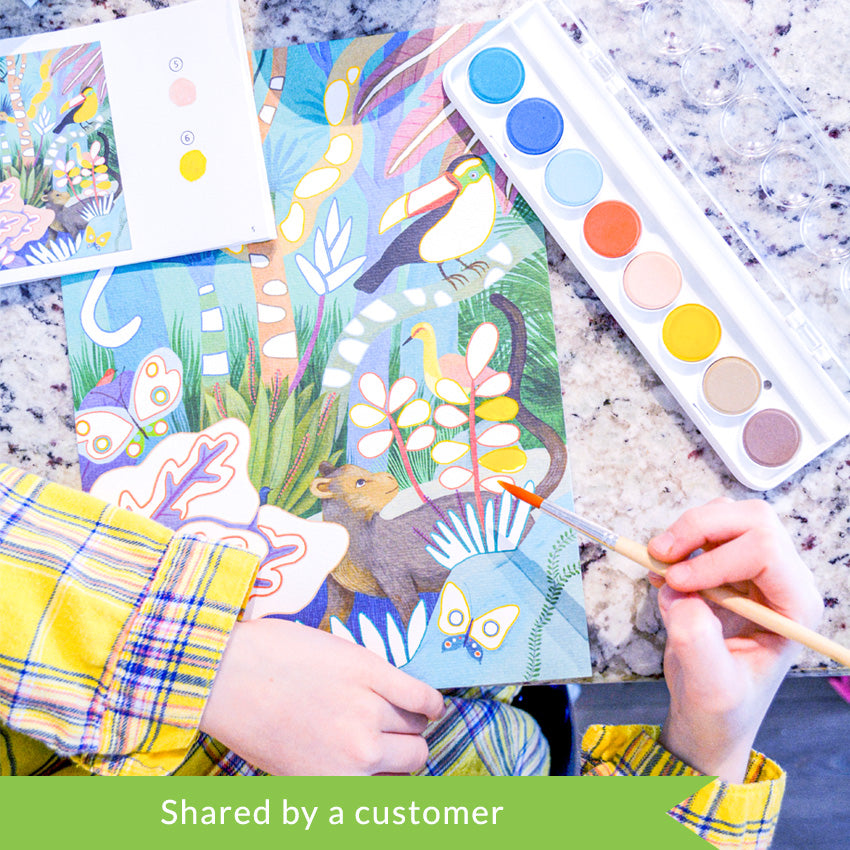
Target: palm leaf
x: 235, y: 405
x: 418, y: 56
x: 280, y: 446
x: 421, y: 131
x: 259, y: 431
x: 187, y: 347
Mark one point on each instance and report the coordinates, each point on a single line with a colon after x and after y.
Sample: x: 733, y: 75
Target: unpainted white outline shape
x: 108, y: 339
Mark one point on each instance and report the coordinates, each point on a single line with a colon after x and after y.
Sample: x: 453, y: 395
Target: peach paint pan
x: 743, y: 356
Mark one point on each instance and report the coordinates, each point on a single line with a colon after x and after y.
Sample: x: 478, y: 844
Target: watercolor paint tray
x: 739, y: 354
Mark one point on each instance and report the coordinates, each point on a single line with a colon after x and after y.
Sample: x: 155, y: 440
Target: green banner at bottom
x: 377, y: 812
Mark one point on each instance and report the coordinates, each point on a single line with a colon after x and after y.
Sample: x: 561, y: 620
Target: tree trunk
x: 278, y: 344
x: 13, y: 81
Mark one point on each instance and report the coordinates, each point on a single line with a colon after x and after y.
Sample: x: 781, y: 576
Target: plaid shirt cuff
x: 724, y: 814
x: 111, y: 628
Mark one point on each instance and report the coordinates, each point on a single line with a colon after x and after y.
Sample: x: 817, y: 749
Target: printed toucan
x: 457, y: 211
x: 81, y: 108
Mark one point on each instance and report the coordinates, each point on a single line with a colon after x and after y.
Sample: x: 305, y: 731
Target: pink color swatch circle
x: 182, y: 92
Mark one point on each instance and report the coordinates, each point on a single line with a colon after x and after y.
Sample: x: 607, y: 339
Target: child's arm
x: 722, y: 672
x: 112, y: 633
x: 111, y: 627
x: 297, y: 701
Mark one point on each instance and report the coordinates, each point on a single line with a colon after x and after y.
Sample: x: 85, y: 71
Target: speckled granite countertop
x: 637, y: 461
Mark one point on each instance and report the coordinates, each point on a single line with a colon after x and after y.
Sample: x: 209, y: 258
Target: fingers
x: 714, y: 708
x: 399, y: 720
x: 695, y: 644
x: 405, y: 692
x: 401, y: 754
x: 715, y: 522
x: 755, y: 556
x: 744, y: 542
x: 691, y: 625
x: 392, y: 713
x: 369, y: 753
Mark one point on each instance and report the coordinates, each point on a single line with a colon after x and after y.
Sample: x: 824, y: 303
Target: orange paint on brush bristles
x: 532, y: 498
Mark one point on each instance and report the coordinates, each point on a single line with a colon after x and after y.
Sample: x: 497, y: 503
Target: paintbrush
x: 723, y: 596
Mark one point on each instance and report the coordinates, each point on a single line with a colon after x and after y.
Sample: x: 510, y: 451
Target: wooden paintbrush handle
x: 745, y: 607
x: 638, y: 553
x: 773, y: 621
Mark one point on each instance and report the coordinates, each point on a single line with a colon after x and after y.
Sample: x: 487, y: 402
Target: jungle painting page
x: 344, y: 399
x: 117, y: 143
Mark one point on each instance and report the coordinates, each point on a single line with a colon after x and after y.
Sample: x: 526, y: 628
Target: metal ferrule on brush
x: 584, y: 526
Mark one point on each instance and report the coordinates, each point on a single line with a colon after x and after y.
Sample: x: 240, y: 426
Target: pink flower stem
x: 252, y: 374
x: 277, y: 382
x: 405, y: 459
x: 219, y: 401
x: 305, y: 359
x: 473, y: 456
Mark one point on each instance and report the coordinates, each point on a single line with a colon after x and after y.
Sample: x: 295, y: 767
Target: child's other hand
x: 722, y: 672
x: 297, y: 701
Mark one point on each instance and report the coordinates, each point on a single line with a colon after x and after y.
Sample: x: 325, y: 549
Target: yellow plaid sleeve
x: 725, y: 815
x: 111, y: 627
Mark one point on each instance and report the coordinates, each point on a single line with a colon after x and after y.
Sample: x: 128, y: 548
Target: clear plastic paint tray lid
x: 754, y: 158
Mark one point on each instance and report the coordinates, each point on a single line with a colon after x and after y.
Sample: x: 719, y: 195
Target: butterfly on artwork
x: 97, y: 240
x: 121, y: 412
x: 487, y: 631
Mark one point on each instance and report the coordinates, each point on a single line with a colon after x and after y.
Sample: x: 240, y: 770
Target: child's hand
x: 297, y: 701
x: 722, y: 671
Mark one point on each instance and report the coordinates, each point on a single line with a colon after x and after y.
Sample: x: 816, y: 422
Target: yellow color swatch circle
x: 193, y: 164
x: 691, y: 332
